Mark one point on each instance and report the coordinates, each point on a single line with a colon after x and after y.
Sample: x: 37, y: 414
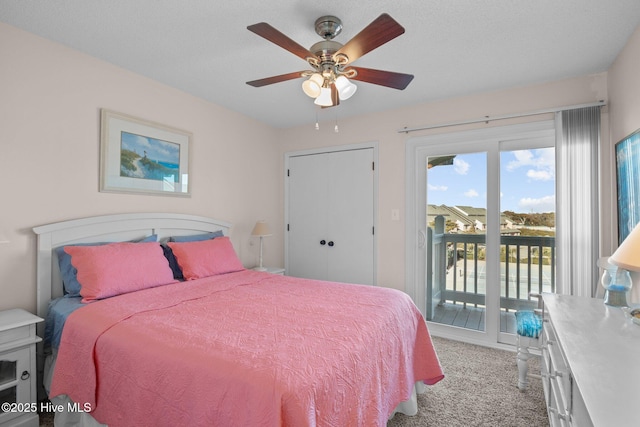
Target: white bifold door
x: 330, y: 216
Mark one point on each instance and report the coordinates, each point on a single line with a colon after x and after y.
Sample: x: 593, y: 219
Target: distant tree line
x: 547, y: 219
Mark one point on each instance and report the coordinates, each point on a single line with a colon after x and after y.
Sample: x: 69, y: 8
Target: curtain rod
x: 488, y: 119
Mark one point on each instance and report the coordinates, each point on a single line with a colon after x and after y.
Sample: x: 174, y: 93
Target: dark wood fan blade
x: 274, y: 36
x: 275, y: 79
x: 383, y: 78
x: 374, y: 35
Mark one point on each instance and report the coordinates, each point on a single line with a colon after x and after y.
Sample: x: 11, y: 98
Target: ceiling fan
x: 328, y: 81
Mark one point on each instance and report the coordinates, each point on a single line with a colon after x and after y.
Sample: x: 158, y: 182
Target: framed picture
x: 628, y: 183
x: 139, y: 156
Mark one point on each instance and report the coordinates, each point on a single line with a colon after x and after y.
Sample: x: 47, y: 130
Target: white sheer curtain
x: 577, y: 220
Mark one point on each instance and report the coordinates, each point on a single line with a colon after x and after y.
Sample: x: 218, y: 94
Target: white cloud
x: 542, y: 204
x: 523, y: 157
x: 539, y: 175
x: 542, y: 162
x: 460, y: 166
x: 471, y: 193
x: 437, y: 187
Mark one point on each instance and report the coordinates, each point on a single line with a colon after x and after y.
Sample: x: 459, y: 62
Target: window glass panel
x: 7, y: 371
x: 527, y: 230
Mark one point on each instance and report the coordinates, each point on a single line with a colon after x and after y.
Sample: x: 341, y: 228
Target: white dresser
x: 590, y: 363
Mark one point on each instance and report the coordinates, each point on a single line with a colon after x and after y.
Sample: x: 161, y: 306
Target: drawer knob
x: 25, y: 375
x: 556, y: 374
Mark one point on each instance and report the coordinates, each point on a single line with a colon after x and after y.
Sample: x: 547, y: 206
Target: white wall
x: 623, y: 81
x: 624, y: 89
x: 50, y: 101
x: 383, y: 128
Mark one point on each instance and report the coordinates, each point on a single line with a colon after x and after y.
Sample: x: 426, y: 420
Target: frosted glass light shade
x: 346, y: 89
x: 324, y: 99
x: 313, y: 85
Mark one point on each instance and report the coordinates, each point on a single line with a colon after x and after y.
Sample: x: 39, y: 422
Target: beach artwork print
x: 149, y: 158
x: 141, y: 156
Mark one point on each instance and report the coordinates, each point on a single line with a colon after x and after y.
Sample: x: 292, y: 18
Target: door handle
x: 330, y: 243
x: 323, y: 242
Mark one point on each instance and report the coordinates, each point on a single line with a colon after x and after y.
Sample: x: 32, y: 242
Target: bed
x: 188, y: 336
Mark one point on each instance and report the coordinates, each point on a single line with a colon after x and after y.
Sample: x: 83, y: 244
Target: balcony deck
x: 470, y: 317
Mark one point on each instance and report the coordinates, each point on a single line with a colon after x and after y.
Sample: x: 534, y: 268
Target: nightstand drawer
x: 15, y: 334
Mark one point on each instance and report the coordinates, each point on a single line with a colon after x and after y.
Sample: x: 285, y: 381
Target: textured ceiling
x: 453, y: 47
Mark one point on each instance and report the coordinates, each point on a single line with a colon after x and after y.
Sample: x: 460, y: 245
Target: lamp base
x: 259, y: 269
x: 615, y: 298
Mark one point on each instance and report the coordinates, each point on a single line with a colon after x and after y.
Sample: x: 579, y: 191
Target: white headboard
x: 106, y: 228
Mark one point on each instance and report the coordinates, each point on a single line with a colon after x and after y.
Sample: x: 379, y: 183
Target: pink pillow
x: 118, y: 268
x: 206, y: 258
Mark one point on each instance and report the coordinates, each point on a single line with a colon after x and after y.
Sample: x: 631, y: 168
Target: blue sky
x: 527, y: 181
x: 156, y: 149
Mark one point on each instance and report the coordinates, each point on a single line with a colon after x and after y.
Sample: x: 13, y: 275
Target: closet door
x: 331, y: 216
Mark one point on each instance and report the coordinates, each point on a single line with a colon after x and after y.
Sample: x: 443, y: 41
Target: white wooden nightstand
x: 18, y: 376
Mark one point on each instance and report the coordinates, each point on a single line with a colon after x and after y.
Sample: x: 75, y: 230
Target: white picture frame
x: 140, y: 156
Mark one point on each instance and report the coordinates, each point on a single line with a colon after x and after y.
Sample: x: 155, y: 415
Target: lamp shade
x: 261, y: 229
x: 627, y: 256
x: 346, y: 89
x: 313, y: 85
x: 324, y: 99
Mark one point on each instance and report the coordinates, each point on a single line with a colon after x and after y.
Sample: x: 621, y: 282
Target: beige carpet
x: 479, y: 389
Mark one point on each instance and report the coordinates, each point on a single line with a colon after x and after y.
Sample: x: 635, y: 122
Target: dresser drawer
x: 557, y: 378
x: 559, y: 414
x: 557, y: 368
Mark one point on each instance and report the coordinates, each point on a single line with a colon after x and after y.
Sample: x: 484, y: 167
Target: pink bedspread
x: 246, y: 349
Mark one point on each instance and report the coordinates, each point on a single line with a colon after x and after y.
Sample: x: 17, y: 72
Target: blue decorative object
x: 616, y: 282
x: 528, y: 323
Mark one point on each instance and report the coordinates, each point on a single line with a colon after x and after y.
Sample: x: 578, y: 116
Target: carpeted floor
x: 479, y: 389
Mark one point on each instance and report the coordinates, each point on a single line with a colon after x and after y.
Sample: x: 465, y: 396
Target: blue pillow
x: 196, y: 237
x: 168, y: 253
x: 69, y: 273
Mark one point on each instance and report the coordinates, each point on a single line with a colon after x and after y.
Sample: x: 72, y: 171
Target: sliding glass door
x: 482, y: 208
x: 457, y: 220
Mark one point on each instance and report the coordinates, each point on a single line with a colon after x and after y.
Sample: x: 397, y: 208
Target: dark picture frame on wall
x: 627, y: 153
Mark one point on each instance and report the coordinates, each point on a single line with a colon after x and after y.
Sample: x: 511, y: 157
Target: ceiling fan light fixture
x: 324, y: 100
x: 346, y: 89
x: 330, y: 61
x: 312, y: 86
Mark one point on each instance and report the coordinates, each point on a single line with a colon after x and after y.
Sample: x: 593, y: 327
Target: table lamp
x: 627, y: 256
x: 261, y: 230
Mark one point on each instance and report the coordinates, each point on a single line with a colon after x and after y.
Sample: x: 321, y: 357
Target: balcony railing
x: 456, y: 273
